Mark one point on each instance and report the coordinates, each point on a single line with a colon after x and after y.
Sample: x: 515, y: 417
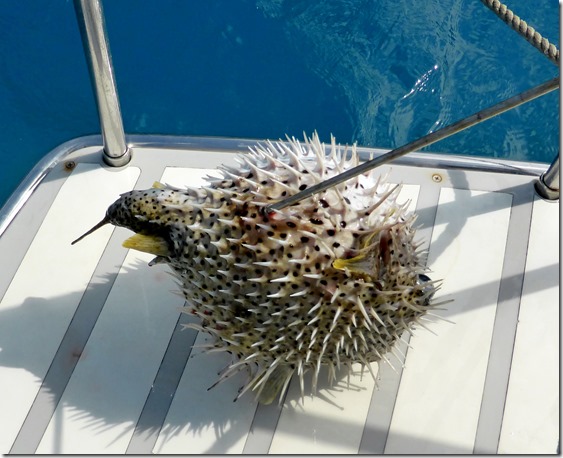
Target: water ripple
x: 408, y: 71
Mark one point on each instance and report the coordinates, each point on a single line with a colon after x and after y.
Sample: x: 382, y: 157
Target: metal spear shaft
x: 432, y: 137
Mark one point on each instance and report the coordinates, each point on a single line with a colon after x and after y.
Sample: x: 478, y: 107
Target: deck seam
x: 384, y: 397
x: 12, y: 249
x: 75, y: 337
x: 157, y: 404
x: 263, y: 428
x: 495, y: 388
x: 72, y: 344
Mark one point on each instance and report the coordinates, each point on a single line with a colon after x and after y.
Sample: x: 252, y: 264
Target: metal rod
x: 433, y: 137
x: 547, y: 185
x: 96, y: 47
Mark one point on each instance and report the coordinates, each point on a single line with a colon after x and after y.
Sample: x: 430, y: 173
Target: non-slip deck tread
x: 93, y: 360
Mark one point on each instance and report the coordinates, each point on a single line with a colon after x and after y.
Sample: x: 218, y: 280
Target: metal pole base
x: 118, y: 161
x: 547, y: 185
x: 544, y: 190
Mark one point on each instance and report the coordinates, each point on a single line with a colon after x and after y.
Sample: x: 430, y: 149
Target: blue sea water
x: 380, y: 73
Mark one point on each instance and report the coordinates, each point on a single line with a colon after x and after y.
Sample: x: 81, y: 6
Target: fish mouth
x: 141, y: 242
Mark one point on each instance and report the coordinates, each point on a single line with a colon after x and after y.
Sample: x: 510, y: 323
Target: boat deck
x: 93, y: 358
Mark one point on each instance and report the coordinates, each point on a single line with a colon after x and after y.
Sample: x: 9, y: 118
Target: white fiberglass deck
x: 93, y: 358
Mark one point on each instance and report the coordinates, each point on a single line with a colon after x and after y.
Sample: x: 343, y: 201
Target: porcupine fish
x: 330, y: 281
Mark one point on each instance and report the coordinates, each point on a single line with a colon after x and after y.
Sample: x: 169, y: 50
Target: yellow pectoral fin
x: 363, y: 264
x: 148, y: 244
x: 158, y: 185
x: 360, y: 265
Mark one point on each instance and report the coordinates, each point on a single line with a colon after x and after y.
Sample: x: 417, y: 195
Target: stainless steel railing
x: 96, y: 47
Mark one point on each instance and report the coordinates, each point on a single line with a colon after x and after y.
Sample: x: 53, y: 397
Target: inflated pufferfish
x: 330, y: 281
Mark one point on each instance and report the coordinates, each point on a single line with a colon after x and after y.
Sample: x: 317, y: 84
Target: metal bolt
x: 436, y: 178
x: 69, y: 165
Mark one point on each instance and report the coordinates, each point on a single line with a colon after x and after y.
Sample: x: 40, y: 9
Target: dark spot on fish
x: 304, y: 239
x: 302, y: 187
x: 331, y: 232
x: 316, y: 221
x: 342, y: 224
x: 291, y: 224
x: 323, y: 203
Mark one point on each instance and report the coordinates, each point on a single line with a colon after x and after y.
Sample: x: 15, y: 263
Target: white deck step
x: 92, y: 358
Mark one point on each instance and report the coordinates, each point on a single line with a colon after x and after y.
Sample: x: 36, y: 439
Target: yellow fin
x: 158, y: 185
x: 148, y: 244
x: 362, y: 265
